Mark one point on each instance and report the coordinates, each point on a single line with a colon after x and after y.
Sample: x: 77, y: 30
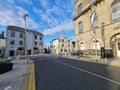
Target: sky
x: 54, y: 18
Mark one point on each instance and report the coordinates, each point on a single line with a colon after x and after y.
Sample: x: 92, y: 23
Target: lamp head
x: 25, y: 15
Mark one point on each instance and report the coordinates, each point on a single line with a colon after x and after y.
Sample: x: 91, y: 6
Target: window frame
x: 115, y: 13
x: 80, y: 25
x: 21, y: 35
x: 12, y: 33
x: 80, y: 8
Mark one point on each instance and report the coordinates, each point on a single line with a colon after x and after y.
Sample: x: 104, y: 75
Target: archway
x: 115, y: 45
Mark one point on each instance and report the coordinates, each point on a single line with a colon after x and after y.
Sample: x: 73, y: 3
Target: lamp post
x: 25, y: 37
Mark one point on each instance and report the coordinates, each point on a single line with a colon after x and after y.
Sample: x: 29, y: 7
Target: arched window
x: 96, y: 44
x: 94, y: 21
x: 115, y: 11
x: 80, y: 27
x: 82, y: 47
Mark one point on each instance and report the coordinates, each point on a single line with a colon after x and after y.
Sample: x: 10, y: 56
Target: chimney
x: 2, y: 34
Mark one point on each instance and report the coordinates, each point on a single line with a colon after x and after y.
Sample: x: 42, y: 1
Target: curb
x: 115, y: 65
x: 31, y: 83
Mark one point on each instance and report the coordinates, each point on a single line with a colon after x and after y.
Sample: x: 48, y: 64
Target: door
x: 118, y: 48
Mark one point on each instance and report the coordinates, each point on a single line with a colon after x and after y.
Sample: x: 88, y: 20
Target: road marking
x: 89, y: 72
x: 7, y: 88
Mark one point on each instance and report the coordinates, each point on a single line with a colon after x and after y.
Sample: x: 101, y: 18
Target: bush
x: 4, y: 67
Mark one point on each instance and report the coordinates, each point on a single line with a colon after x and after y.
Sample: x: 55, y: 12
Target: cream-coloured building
x: 61, y: 46
x: 97, y: 26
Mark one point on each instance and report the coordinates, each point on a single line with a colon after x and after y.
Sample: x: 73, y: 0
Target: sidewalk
x: 14, y: 79
x: 111, y: 61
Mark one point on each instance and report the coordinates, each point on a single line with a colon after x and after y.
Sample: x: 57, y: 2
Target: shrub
x: 4, y: 67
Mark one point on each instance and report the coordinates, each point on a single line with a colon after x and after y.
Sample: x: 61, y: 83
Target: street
x: 58, y: 73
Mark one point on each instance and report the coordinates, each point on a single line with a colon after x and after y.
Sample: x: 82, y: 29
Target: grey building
x: 16, y: 41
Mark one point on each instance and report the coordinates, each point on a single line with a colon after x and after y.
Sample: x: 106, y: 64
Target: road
x: 58, y: 73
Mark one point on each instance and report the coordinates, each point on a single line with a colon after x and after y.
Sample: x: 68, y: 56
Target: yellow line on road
x: 31, y: 84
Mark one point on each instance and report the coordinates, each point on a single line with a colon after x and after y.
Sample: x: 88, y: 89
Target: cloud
x: 47, y: 16
x: 46, y: 4
x: 13, y: 15
x: 65, y: 27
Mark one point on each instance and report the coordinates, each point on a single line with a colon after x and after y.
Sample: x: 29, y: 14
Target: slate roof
x: 20, y: 29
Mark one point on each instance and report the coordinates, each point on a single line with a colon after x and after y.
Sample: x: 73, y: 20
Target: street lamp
x: 25, y: 38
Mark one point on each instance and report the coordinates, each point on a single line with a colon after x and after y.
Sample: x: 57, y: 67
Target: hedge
x: 4, y: 67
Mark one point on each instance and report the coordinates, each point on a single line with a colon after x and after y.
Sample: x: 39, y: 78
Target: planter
x: 4, y: 67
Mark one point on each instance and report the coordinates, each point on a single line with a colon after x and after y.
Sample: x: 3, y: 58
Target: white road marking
x: 89, y: 72
x: 7, y: 88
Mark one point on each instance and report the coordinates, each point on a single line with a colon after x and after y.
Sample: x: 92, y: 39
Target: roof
x: 20, y: 29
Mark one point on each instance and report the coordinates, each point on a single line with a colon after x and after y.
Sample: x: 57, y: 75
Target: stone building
x: 97, y: 27
x: 16, y: 41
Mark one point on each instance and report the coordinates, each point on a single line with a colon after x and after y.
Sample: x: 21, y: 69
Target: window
x: 91, y: 1
x: 20, y: 42
x: 94, y: 21
x: 80, y: 27
x: 35, y: 43
x: 12, y: 33
x: 116, y: 11
x: 80, y: 8
x: 62, y: 45
x: 21, y: 35
x: 82, y: 47
x: 40, y: 38
x: 12, y: 42
x: 96, y: 45
x: 62, y: 40
x: 35, y: 37
x: 68, y: 45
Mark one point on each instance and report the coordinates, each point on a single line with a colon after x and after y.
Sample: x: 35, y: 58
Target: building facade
x: 2, y: 45
x: 16, y: 41
x: 97, y: 27
x: 61, y: 46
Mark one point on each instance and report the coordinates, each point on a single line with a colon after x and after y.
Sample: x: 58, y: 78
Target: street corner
x: 31, y: 82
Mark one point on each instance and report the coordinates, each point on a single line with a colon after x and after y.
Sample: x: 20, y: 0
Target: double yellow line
x: 31, y: 83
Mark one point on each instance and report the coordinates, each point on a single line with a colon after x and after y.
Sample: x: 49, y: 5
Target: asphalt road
x: 58, y: 73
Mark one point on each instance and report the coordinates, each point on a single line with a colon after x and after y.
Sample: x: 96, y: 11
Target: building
x: 2, y: 45
x: 97, y: 27
x: 16, y: 41
x: 61, y: 46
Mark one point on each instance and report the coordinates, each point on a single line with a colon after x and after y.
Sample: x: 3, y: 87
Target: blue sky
x: 51, y: 17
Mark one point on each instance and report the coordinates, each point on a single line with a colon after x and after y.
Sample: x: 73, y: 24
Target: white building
x: 16, y: 41
x: 2, y: 45
x: 61, y: 46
